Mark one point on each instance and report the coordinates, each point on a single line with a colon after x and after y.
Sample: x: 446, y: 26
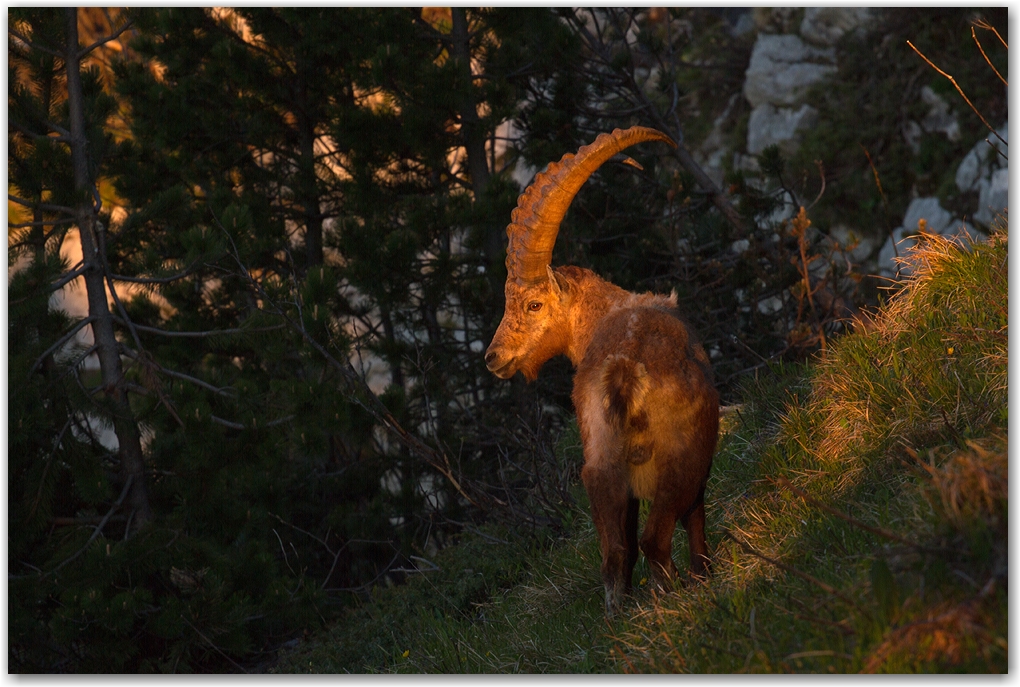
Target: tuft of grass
x: 857, y: 512
x: 841, y: 548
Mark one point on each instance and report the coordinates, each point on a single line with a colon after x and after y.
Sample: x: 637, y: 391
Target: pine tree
x: 64, y: 481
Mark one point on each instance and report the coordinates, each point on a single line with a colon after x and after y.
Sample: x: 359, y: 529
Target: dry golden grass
x: 791, y: 590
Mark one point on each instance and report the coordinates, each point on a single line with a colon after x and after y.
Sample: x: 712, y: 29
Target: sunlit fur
x: 646, y: 407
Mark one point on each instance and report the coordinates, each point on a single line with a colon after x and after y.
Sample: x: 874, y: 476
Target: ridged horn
x: 535, y: 221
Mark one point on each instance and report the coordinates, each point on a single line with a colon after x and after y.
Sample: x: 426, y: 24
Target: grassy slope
x: 857, y: 512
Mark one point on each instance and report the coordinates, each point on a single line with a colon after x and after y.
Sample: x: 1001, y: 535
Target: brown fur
x: 646, y: 406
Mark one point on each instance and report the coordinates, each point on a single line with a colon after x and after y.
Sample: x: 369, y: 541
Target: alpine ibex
x: 646, y: 405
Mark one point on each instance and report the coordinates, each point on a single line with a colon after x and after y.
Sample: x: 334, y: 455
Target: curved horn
x: 535, y: 221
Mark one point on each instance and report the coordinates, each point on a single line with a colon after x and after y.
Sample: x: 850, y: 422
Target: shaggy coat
x: 646, y: 406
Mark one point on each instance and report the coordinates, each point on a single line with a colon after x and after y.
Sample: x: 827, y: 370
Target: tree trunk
x: 471, y: 131
x: 308, y: 191
x: 473, y: 136
x: 130, y: 447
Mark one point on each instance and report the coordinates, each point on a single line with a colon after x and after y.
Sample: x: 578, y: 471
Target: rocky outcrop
x: 769, y: 125
x: 939, y: 120
x: 794, y: 50
x: 985, y: 170
x: 782, y: 69
x: 982, y: 170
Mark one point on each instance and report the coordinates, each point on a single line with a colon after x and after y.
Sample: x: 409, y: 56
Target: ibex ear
x: 557, y: 283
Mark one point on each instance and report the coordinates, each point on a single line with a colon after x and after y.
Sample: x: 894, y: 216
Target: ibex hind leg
x: 657, y: 542
x: 694, y: 522
x: 633, y: 509
x: 610, y: 511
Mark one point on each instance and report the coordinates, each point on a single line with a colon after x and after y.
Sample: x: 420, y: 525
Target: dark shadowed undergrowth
x: 857, y: 515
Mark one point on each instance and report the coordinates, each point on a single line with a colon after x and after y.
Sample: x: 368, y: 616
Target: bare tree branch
x: 60, y: 342
x: 99, y: 527
x: 20, y: 128
x: 226, y: 391
x: 42, y: 206
x: 103, y: 41
x: 42, y: 223
x: 238, y: 425
x: 599, y: 48
x: 973, y: 35
x: 202, y: 334
x: 34, y: 46
x: 958, y: 90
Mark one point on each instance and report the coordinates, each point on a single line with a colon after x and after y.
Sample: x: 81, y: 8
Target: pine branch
x: 34, y: 46
x: 42, y: 223
x: 202, y: 334
x: 46, y: 468
x: 60, y: 342
x: 76, y: 272
x: 42, y: 206
x: 100, y: 526
x: 238, y: 425
x: 225, y: 391
x: 25, y: 131
x: 154, y: 280
x: 357, y: 389
x: 103, y: 41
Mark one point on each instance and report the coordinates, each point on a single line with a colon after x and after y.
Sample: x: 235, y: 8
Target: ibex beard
x: 643, y: 390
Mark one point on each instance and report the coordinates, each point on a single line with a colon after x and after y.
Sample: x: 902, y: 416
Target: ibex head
x: 534, y: 326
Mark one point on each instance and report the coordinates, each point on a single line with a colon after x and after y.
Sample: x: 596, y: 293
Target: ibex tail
x: 625, y: 383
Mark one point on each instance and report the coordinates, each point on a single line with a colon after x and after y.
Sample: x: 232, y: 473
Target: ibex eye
x: 534, y: 306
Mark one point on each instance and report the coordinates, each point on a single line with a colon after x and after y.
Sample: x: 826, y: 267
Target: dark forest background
x: 292, y: 239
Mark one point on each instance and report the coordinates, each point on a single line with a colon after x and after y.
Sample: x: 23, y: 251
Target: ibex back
x: 643, y: 391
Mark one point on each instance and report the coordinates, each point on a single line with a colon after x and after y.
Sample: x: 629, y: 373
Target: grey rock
x: 712, y: 152
x: 939, y: 220
x: 994, y: 196
x: 912, y: 133
x: 981, y: 159
x: 846, y: 236
x: 775, y: 19
x: 769, y: 125
x: 887, y: 263
x: 826, y: 25
x: 969, y: 171
x: 770, y: 305
x: 929, y: 209
x: 743, y: 25
x: 783, y: 67
x: 939, y: 118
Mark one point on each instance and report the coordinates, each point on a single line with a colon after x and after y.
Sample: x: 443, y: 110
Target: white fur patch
x: 601, y: 444
x: 643, y: 479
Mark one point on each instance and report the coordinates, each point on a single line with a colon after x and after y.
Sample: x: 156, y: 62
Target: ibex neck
x: 593, y: 299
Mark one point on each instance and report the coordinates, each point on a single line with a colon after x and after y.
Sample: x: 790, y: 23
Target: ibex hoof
x: 614, y: 602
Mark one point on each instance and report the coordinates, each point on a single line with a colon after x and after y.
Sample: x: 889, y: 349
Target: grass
x: 857, y: 514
